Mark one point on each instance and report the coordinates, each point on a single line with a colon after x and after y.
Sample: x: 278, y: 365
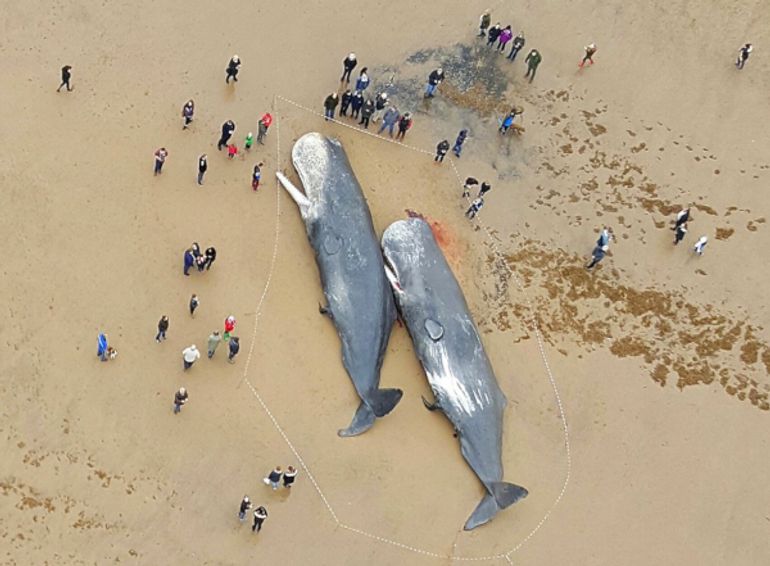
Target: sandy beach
x: 639, y: 392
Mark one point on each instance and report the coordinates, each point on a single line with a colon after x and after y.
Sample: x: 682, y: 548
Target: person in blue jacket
x: 101, y: 346
x: 458, y: 147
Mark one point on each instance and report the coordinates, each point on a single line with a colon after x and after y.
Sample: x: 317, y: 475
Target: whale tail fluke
x: 362, y: 421
x: 502, y: 495
x: 384, y: 401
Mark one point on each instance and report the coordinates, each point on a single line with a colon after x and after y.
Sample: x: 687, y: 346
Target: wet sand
x: 661, y: 359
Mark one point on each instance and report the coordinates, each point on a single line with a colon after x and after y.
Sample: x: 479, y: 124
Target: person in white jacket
x: 190, y: 355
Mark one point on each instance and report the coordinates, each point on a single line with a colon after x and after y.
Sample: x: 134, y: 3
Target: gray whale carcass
x: 449, y: 347
x: 358, y: 295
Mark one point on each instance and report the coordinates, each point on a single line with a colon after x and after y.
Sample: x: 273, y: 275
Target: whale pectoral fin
x: 325, y: 311
x: 430, y: 406
x: 362, y: 421
x: 298, y: 196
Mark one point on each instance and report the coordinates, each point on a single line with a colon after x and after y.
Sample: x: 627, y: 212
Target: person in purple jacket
x: 505, y: 36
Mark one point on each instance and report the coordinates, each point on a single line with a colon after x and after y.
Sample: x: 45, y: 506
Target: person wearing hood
x: 348, y: 64
x: 380, y: 102
x: 389, y: 120
x: 330, y: 104
x: 533, y: 60
x: 461, y: 137
x: 504, y: 38
x: 484, y: 22
x: 232, y: 69
x: 347, y: 97
x: 494, y: 33
x: 356, y: 102
x: 363, y: 80
x: 434, y: 79
x: 516, y: 45
x: 366, y: 113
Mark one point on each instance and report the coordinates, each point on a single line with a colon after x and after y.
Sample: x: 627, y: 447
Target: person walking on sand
x: 232, y: 69
x: 441, y: 149
x: 348, y: 64
x: 680, y: 233
x: 356, y: 103
x: 211, y: 256
x: 248, y: 142
x: 505, y: 36
x: 604, y: 237
x: 162, y: 328
x: 227, y: 130
x: 245, y: 506
x: 102, y: 346
x: 682, y: 217
x: 189, y: 260
x: 485, y: 188
x: 461, y: 137
x: 180, y: 398
x: 347, y: 97
x: 260, y: 514
x: 160, y: 159
x: 700, y: 245
x: 256, y: 175
x: 273, y: 478
x: 289, y: 476
x: 330, y: 104
x: 235, y: 347
x: 194, y: 303
x: 190, y: 355
x: 66, y: 75
x: 203, y: 165
x: 484, y: 21
x: 187, y: 113
x: 263, y: 125
x: 229, y: 327
x: 532, y: 60
x: 366, y: 113
x: 214, y: 340
x: 363, y: 80
x: 597, y: 255
x: 474, y: 208
x: 590, y: 49
x: 434, y: 79
x: 743, y: 55
x: 404, y: 123
x: 470, y: 185
x: 232, y: 151
x: 506, y: 123
x: 380, y: 102
x: 389, y: 120
x: 494, y: 33
x: 516, y: 46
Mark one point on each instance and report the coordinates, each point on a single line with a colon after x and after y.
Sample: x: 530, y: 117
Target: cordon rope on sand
x: 532, y: 322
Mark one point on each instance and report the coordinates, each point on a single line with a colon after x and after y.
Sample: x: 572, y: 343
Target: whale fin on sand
x: 362, y: 421
x: 380, y: 404
x: 384, y: 401
x: 502, y: 495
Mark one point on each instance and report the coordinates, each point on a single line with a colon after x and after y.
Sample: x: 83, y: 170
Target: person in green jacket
x: 533, y: 60
x: 214, y: 340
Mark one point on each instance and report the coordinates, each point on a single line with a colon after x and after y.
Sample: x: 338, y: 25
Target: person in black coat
x: 211, y: 255
x: 227, y: 130
x: 366, y: 113
x: 493, y: 34
x: 330, y: 104
x: 348, y: 64
x: 66, y: 75
x: 356, y: 103
x: 347, y: 97
x: 232, y: 69
x: 441, y: 149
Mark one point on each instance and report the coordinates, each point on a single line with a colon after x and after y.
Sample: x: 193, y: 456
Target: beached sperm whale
x: 358, y: 295
x: 449, y: 347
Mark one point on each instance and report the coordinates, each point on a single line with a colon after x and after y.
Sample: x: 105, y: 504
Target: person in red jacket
x: 229, y: 327
x: 264, y: 124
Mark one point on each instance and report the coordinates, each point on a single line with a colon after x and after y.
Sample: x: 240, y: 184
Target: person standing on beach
x: 180, y: 398
x: 441, y: 149
x: 189, y: 261
x: 232, y: 151
x: 380, y: 102
x: 227, y: 130
x: 389, y: 120
x: 190, y: 355
x: 66, y: 75
x: 235, y: 347
x: 245, y: 506
x: 474, y: 208
x: 700, y: 245
x: 263, y: 125
x: 356, y: 103
x: 590, y: 50
x: 680, y: 233
x: 260, y: 514
x: 348, y: 64
x: 160, y: 159
x: 682, y: 217
x: 229, y: 327
x: 470, y: 184
x: 533, y: 60
x: 194, y: 303
x: 289, y: 476
x: 366, y: 113
x: 232, y: 69
x: 248, y: 142
x: 404, y: 123
x: 211, y: 256
x: 214, y: 340
x: 743, y: 55
x: 347, y: 97
x: 604, y: 237
x: 505, y: 36
x: 203, y: 164
x: 274, y: 477
x: 461, y: 137
x: 162, y: 328
x: 518, y: 43
x: 102, y: 346
x: 484, y: 21
x: 597, y: 255
x: 330, y: 104
x: 485, y: 188
x: 434, y: 79
x: 363, y: 80
x: 256, y: 175
x: 494, y: 33
x: 187, y: 113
